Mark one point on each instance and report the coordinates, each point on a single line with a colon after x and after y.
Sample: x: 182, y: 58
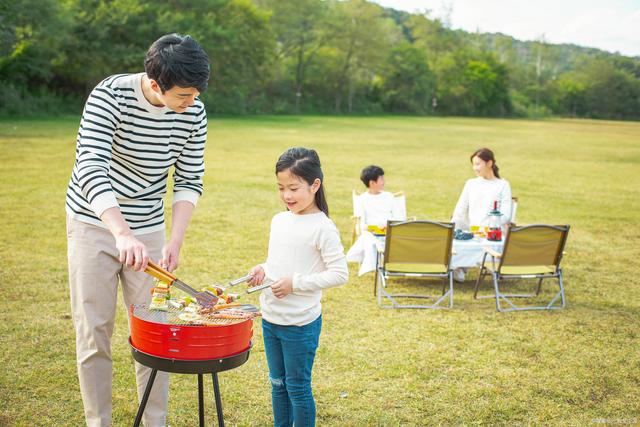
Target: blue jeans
x: 290, y: 353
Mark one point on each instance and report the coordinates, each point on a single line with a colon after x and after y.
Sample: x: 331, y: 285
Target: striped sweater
x: 124, y: 149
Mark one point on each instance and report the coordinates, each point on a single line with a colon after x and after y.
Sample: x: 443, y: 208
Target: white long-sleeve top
x: 477, y: 199
x: 308, y: 249
x: 376, y: 209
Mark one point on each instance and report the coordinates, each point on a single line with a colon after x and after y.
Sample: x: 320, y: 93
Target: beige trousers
x: 94, y: 272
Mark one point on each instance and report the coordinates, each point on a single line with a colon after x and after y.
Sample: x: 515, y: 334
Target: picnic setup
x: 422, y: 249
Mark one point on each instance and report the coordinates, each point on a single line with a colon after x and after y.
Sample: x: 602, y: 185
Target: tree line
x: 308, y: 56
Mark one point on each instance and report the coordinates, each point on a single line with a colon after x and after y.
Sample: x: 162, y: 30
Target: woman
x: 479, y: 195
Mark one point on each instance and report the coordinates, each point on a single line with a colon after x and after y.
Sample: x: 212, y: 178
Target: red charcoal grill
x: 164, y: 342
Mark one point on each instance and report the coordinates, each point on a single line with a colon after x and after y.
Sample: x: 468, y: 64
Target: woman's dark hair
x: 176, y: 60
x: 370, y: 173
x: 305, y: 163
x: 486, y: 155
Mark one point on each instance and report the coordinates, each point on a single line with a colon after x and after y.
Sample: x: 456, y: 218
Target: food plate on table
x: 462, y: 235
x: 374, y: 229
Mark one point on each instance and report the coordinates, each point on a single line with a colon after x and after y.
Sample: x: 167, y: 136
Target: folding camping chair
x: 415, y: 249
x: 530, y: 252
x: 399, y: 212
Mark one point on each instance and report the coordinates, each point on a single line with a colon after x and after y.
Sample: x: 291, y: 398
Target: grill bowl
x: 162, y: 334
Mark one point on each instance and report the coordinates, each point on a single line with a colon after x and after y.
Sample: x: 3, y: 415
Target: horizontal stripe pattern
x: 124, y: 150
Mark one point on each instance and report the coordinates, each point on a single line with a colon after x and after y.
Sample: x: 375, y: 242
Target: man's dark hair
x: 176, y: 60
x: 370, y: 173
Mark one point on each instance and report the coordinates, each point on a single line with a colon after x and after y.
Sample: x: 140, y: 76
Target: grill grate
x: 172, y: 317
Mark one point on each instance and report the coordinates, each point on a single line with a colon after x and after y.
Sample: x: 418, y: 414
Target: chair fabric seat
x: 397, y: 267
x: 525, y: 270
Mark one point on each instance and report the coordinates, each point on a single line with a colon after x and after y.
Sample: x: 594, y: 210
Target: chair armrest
x: 492, y: 252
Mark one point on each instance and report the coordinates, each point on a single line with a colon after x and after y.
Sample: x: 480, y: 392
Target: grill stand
x: 178, y: 366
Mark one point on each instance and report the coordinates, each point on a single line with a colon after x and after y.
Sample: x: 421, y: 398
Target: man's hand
x: 170, y: 255
x: 132, y: 252
x: 181, y: 214
x: 282, y: 287
x: 257, y: 274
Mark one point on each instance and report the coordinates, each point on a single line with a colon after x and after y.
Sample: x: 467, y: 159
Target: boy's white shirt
x: 308, y: 249
x: 476, y: 200
x: 376, y: 209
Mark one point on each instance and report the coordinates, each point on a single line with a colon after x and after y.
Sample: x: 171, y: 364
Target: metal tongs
x: 265, y: 284
x: 204, y: 299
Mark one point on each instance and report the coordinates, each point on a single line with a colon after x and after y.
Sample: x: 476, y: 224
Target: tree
x: 609, y: 92
x: 298, y: 25
x: 352, y: 24
x: 408, y: 85
x: 32, y: 32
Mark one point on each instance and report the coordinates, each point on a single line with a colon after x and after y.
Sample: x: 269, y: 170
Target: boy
x: 133, y: 129
x: 374, y: 207
x: 376, y: 204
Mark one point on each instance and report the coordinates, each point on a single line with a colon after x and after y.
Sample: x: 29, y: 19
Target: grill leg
x: 216, y: 392
x: 145, y: 397
x: 200, y: 401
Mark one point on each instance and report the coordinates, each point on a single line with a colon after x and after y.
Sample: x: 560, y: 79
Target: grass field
x: 469, y: 365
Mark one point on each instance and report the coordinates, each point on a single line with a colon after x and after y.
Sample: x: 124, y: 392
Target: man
x: 133, y: 129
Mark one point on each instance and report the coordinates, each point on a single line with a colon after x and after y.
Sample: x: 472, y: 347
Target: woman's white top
x: 477, y: 199
x: 308, y: 249
x: 376, y: 209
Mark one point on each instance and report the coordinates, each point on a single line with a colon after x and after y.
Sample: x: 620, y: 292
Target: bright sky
x: 612, y: 25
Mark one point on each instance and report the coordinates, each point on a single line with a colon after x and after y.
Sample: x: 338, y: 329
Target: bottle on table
x: 494, y: 233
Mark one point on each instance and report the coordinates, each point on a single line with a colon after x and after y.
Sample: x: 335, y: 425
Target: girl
x: 305, y: 256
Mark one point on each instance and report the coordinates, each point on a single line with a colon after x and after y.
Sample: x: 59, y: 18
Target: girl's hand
x: 258, y: 275
x: 282, y: 287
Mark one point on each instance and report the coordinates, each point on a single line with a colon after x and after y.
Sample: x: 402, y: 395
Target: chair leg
x: 497, y: 289
x: 444, y: 284
x: 451, y: 288
x: 539, y: 286
x: 560, y: 283
x: 378, y: 285
x: 480, y: 279
x: 375, y: 281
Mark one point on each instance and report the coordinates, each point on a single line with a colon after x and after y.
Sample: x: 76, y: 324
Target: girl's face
x: 483, y: 169
x: 297, y: 194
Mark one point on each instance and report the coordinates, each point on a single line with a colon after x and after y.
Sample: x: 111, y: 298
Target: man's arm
x: 180, y: 217
x: 187, y: 188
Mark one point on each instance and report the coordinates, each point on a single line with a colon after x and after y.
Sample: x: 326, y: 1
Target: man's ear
x: 155, y: 86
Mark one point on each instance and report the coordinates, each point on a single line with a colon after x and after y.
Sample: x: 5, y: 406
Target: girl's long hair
x: 305, y: 163
x: 486, y: 155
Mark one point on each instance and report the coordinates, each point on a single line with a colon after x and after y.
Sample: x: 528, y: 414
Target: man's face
x: 178, y: 98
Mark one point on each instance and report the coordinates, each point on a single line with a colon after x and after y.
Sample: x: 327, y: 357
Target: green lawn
x: 469, y: 365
